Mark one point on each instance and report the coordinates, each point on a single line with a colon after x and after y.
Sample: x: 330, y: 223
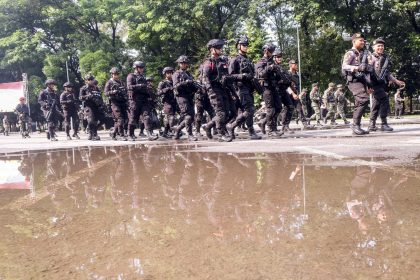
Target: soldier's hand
x: 361, y: 68
x: 247, y: 76
x: 114, y: 91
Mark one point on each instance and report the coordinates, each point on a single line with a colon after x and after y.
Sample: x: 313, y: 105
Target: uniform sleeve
x: 206, y: 76
x: 347, y: 60
x: 42, y: 101
x: 261, y: 70
x: 234, y: 69
x: 82, y: 95
x: 63, y: 99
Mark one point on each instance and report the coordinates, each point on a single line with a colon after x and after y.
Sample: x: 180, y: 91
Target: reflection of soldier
x: 340, y: 98
x: 22, y: 110
x: 315, y: 101
x: 69, y: 104
x: 329, y: 100
x: 116, y: 91
x: 49, y: 101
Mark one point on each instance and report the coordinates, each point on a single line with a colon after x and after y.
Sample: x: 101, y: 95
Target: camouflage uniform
x: 341, y: 101
x: 315, y: 101
x: 329, y: 100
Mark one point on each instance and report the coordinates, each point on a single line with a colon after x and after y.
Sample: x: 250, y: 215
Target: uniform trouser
x: 94, y: 117
x: 304, y: 110
x: 361, y: 101
x: 299, y: 109
x: 169, y: 117
x: 119, y: 114
x: 186, y: 113
x: 68, y: 115
x: 202, y: 105
x: 398, y: 110
x: 341, y: 111
x: 23, y: 122
x: 247, y: 109
x: 51, y: 121
x: 230, y: 107
x: 272, y: 101
x: 139, y: 111
x: 331, y: 112
x: 317, y: 111
x: 380, y: 105
x: 219, y: 119
x: 288, y: 108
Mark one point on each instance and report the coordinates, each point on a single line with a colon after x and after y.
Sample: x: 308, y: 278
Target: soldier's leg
x: 270, y: 111
x: 134, y: 113
x: 67, y: 124
x: 199, y: 115
x: 361, y: 105
x: 383, y: 113
x: 145, y: 117
x: 374, y: 112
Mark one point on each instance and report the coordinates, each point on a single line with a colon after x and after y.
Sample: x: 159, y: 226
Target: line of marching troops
x: 221, y: 99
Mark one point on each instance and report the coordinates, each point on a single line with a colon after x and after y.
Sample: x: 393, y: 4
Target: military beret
x: 379, y: 40
x: 215, y: 43
x: 357, y: 36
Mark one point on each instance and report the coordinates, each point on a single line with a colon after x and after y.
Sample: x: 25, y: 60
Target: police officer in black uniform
x: 184, y: 88
x: 139, y: 101
x: 116, y: 91
x: 166, y: 92
x: 70, y: 107
x: 93, y: 106
x: 242, y: 69
x: 214, y: 79
x: 49, y: 101
x: 266, y: 73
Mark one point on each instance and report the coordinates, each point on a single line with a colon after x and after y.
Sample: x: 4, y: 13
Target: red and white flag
x: 9, y: 95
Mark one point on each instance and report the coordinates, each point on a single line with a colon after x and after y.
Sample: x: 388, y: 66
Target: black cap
x: 215, y: 43
x: 138, y: 63
x: 167, y: 69
x: 183, y: 59
x: 357, y: 36
x: 50, y: 82
x: 68, y: 84
x: 269, y: 47
x: 379, y: 40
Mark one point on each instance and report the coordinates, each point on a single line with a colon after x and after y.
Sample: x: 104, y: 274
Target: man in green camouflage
x: 329, y: 101
x: 340, y: 98
x: 315, y: 102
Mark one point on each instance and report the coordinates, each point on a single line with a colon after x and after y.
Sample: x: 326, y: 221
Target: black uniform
x: 49, y: 102
x: 70, y: 107
x: 166, y: 91
x: 93, y: 108
x: 22, y: 111
x: 116, y: 91
x: 139, y: 102
x: 242, y: 69
x: 184, y: 89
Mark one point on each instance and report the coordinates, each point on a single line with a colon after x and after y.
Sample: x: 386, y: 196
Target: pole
x: 299, y: 62
x: 25, y: 89
x: 67, y: 71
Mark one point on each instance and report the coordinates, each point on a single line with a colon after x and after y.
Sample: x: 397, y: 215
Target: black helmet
x: 167, y: 69
x: 269, y: 47
x: 67, y: 84
x: 114, y: 70
x: 242, y: 40
x: 183, y: 59
x: 215, y: 43
x: 50, y: 82
x: 89, y: 77
x: 138, y: 63
x: 278, y: 53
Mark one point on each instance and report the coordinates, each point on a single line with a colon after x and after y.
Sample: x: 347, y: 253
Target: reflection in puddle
x: 168, y: 213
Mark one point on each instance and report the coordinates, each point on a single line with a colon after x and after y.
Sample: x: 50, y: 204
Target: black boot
x: 262, y: 127
x: 207, y: 128
x: 357, y: 130
x: 253, y: 135
x: 372, y: 126
x: 151, y: 136
x: 385, y: 127
x: 178, y: 131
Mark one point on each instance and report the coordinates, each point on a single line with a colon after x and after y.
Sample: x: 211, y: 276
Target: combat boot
x: 207, y: 128
x: 225, y: 138
x: 53, y: 138
x: 262, y: 127
x: 372, y: 126
x: 346, y: 122
x: 333, y: 123
x: 253, y: 135
x: 191, y: 137
x: 231, y: 129
x: 96, y: 137
x: 48, y: 136
x: 178, y: 131
x: 151, y: 136
x: 141, y: 134
x: 318, y: 123
x: 325, y: 120
x: 385, y: 127
x: 286, y: 129
x: 357, y: 130
x: 68, y: 137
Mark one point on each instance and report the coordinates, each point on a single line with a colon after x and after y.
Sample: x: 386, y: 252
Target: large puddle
x: 143, y: 212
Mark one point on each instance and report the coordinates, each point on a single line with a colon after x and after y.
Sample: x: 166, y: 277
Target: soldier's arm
x: 206, y: 76
x: 347, y: 60
x: 234, y: 69
x: 262, y: 70
x: 82, y: 95
x: 108, y: 91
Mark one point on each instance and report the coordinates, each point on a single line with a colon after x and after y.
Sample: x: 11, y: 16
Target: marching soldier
x: 242, y: 70
x: 315, y: 98
x: 329, y: 101
x: 166, y: 91
x: 266, y: 73
x: 340, y: 98
x: 139, y: 101
x: 49, y: 101
x: 185, y: 88
x: 214, y: 83
x: 116, y: 91
x: 70, y: 107
x: 297, y: 102
x: 22, y: 110
x: 381, y: 76
x: 93, y: 106
x: 202, y: 104
x: 356, y: 67
x: 6, y: 126
x: 303, y: 99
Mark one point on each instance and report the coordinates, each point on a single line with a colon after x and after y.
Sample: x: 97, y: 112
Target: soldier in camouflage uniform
x: 303, y: 99
x: 315, y: 101
x: 166, y: 92
x: 329, y: 100
x: 340, y: 99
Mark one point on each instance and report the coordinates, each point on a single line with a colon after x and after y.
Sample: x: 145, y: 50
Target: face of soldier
x: 183, y: 66
x: 293, y: 67
x: 216, y: 51
x: 168, y: 75
x: 22, y: 101
x: 51, y: 87
x: 243, y: 49
x: 359, y: 43
x: 140, y: 70
x: 68, y: 89
x: 91, y: 82
x: 379, y: 48
x: 116, y: 76
x: 277, y: 59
